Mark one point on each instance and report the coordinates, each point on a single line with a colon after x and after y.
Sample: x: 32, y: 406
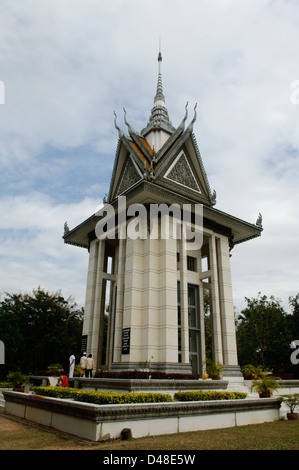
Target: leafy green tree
x: 263, y: 334
x: 39, y: 329
x: 294, y: 303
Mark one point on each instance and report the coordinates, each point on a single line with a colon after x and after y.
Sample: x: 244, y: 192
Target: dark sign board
x: 126, y: 341
x: 83, y: 343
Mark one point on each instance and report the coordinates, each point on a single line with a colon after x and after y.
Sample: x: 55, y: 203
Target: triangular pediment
x: 180, y: 169
x: 129, y: 177
x: 174, y: 164
x: 181, y: 173
x: 128, y: 167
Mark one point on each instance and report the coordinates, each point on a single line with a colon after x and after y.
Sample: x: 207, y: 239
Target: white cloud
x: 68, y: 65
x: 32, y: 251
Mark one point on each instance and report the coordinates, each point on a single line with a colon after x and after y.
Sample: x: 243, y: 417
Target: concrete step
x: 2, y: 400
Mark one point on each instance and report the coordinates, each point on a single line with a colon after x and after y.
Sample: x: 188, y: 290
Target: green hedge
x: 101, y: 398
x: 112, y: 398
x: 208, y: 395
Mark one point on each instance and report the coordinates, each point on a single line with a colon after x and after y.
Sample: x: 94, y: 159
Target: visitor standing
x: 83, y: 362
x: 89, y: 366
x: 72, y: 365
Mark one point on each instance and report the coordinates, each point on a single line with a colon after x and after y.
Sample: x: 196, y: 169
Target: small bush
x: 101, y: 398
x: 208, y: 395
x: 5, y: 384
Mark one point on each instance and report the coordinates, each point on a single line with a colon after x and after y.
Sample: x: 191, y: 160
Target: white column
x: 150, y: 347
x: 202, y: 322
x: 167, y: 312
x: 98, y: 305
x: 226, y: 304
x: 133, y: 298
x: 90, y: 292
x: 216, y: 320
x: 184, y: 303
x: 121, y: 263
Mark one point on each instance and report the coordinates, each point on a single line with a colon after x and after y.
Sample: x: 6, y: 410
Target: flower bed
x: 199, y: 395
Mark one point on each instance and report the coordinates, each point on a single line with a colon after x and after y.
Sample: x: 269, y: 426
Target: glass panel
x: 192, y: 316
x: 191, y: 296
x: 191, y: 263
x: 194, y: 364
x: 179, y: 341
x: 193, y: 341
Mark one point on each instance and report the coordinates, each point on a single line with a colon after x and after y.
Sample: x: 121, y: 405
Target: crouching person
x: 62, y: 380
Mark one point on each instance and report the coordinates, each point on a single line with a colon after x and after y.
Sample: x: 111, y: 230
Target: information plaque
x: 126, y: 341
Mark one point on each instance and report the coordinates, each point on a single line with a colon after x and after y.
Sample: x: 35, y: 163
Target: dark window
x: 191, y: 263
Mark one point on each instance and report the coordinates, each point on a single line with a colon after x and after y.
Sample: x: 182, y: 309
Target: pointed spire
x: 159, y: 119
x: 159, y: 98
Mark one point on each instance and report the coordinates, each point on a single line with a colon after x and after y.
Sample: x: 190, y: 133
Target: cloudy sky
x: 66, y: 66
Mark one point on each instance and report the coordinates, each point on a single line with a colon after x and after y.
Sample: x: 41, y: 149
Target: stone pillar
x: 167, y: 323
x: 230, y: 358
x: 118, y: 325
x: 184, y: 302
x: 215, y: 304
x: 149, y: 331
x: 202, y: 324
x: 95, y: 346
x: 90, y: 292
x: 132, y: 309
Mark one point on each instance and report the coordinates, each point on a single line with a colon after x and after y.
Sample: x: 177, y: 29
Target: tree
x: 39, y: 329
x: 294, y: 302
x: 263, y: 334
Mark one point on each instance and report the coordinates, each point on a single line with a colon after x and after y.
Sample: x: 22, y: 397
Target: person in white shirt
x: 72, y: 365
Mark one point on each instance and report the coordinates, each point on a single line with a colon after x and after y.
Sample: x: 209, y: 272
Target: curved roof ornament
x: 182, y: 125
x: 190, y: 127
x: 259, y: 221
x: 130, y: 128
x: 120, y: 132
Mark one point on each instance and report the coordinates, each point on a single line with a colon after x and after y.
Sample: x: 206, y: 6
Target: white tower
x: 168, y: 304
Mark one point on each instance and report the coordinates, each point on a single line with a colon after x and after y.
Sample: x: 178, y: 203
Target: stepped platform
x: 136, y: 385
x: 101, y: 422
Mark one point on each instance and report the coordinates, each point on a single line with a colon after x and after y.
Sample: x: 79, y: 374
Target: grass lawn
x: 15, y: 434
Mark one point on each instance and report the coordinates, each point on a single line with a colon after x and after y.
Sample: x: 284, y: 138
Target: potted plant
x: 79, y: 371
x: 54, y: 369
x: 213, y: 369
x: 18, y: 380
x: 265, y: 385
x: 252, y: 372
x: 291, y: 401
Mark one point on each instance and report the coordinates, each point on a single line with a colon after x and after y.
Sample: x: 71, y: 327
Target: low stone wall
x: 137, y: 385
x: 98, y: 422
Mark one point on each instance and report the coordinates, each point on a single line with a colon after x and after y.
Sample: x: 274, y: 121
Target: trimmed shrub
x: 208, y: 395
x: 101, y: 398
